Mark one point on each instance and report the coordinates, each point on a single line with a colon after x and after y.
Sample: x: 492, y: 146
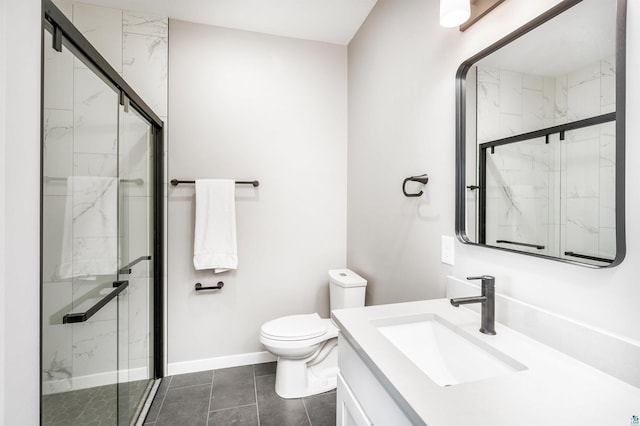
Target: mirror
x: 540, y: 137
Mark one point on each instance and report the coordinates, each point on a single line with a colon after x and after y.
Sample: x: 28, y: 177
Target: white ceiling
x: 332, y: 21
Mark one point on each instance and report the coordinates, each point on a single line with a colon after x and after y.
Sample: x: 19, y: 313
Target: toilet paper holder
x: 200, y: 287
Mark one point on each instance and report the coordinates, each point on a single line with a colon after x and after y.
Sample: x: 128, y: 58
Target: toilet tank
x: 346, y: 289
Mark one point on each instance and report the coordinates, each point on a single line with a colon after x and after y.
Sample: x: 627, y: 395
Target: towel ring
x: 423, y: 179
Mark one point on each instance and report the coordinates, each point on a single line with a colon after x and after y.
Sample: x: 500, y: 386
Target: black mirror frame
x: 460, y: 180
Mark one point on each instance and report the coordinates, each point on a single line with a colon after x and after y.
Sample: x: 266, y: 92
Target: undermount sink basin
x: 444, y: 352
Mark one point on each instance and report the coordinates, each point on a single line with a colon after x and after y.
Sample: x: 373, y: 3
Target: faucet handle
x: 487, y: 280
x: 482, y: 277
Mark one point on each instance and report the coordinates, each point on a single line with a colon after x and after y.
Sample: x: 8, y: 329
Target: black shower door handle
x: 83, y: 316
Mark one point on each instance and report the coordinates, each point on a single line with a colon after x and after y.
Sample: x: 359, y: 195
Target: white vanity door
x: 348, y: 410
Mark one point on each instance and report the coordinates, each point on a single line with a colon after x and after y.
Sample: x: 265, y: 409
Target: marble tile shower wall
x: 81, y: 136
x: 587, y: 166
x: 526, y: 179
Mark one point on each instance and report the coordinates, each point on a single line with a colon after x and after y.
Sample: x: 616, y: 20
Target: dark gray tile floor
x: 236, y: 396
x: 96, y: 406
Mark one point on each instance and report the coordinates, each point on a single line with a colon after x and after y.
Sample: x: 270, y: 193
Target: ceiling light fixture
x: 454, y: 12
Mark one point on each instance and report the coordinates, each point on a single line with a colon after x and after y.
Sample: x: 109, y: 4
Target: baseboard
x: 134, y: 374
x: 614, y: 354
x: 219, y: 362
x: 93, y: 380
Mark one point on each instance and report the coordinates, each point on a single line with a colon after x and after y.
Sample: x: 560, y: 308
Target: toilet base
x: 305, y: 377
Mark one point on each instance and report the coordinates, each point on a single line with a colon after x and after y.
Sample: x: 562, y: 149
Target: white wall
x: 20, y: 184
x: 402, y: 67
x: 251, y: 106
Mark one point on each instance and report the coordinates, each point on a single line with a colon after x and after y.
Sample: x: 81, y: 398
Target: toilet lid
x: 295, y: 327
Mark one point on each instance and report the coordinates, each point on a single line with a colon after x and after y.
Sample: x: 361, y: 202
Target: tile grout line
x: 213, y: 375
x: 230, y: 408
x: 255, y: 391
x: 306, y: 411
x: 189, y: 386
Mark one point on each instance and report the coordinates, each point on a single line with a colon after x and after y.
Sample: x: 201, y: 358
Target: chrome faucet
x: 486, y: 300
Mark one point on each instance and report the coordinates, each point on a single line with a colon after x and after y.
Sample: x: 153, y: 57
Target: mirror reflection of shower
x: 542, y: 125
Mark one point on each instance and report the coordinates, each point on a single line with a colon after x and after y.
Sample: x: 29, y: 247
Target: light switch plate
x: 447, y: 250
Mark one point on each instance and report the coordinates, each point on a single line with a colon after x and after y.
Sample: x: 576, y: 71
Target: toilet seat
x: 299, y: 348
x: 295, y: 327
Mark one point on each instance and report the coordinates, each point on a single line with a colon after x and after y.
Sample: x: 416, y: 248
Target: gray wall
x: 402, y: 67
x: 249, y: 106
x: 401, y: 123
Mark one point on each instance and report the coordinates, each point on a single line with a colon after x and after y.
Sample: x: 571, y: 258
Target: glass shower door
x: 85, y: 289
x: 135, y: 162
x: 101, y: 243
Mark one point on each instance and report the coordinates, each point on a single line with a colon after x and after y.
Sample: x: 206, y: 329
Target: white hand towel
x: 90, y: 230
x: 215, y: 244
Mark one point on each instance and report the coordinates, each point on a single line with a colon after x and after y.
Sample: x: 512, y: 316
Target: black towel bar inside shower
x: 200, y: 287
x: 536, y: 246
x: 255, y: 183
x: 47, y: 179
x: 588, y: 257
x: 74, y: 317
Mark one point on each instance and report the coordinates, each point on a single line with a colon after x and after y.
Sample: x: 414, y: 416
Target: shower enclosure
x: 101, y: 256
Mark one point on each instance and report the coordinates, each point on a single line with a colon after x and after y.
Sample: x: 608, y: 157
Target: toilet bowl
x: 307, y: 345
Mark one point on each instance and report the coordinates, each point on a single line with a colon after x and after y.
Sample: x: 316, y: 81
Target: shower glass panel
x: 136, y: 248
x: 518, y: 203
x: 97, y: 248
x: 587, y: 208
x: 552, y: 195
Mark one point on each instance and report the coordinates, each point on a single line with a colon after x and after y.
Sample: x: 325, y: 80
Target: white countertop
x: 554, y: 389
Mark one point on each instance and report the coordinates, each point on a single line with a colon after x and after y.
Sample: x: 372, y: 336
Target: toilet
x: 307, y: 345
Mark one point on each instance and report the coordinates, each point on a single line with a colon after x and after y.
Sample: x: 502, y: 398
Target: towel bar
x: 588, y: 257
x: 48, y: 179
x: 176, y: 182
x: 536, y: 246
x: 118, y: 286
x: 199, y: 286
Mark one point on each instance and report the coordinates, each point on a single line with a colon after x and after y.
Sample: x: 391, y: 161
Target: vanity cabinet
x: 349, y: 412
x: 362, y: 400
